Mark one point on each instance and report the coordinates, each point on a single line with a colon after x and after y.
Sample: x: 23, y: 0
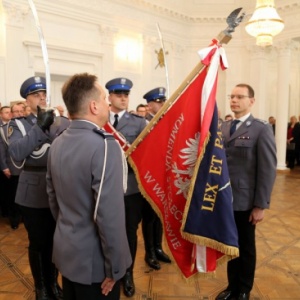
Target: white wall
x: 81, y: 37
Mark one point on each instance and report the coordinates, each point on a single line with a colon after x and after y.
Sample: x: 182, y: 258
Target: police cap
x: 32, y: 85
x: 119, y: 85
x: 156, y: 95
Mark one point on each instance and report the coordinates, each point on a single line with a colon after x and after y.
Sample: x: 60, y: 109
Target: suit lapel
x: 123, y: 121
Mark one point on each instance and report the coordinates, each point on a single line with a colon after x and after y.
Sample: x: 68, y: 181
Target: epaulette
x: 63, y: 117
x: 137, y: 116
x: 104, y: 134
x: 261, y: 121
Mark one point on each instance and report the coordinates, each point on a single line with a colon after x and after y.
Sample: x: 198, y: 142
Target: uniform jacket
x: 85, y: 251
x: 31, y: 190
x: 251, y: 159
x: 6, y: 162
x: 149, y: 117
x: 131, y: 126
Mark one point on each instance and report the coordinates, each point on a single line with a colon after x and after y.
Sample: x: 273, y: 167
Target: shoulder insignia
x: 261, y: 121
x: 137, y: 116
x: 10, y: 131
x: 103, y: 133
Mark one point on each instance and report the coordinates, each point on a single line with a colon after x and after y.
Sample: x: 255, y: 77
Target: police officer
x: 91, y: 253
x: 10, y: 169
x: 5, y: 117
x: 29, y: 142
x: 136, y: 206
x: 153, y: 234
x: 251, y: 158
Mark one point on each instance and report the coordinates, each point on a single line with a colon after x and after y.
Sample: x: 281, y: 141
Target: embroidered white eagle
x: 189, y: 155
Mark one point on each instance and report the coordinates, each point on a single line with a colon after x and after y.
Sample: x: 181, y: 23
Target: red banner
x: 166, y: 163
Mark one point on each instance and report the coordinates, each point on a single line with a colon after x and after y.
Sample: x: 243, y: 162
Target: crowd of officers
x: 27, y: 131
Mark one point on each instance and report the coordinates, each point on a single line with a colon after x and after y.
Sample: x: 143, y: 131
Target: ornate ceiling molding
x: 14, y: 13
x: 93, y: 10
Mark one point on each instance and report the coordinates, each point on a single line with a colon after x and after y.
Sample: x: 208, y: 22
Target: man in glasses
x: 251, y: 158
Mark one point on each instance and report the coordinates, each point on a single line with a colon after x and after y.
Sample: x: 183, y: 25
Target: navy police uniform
x: 30, y: 144
x: 156, y: 95
x: 136, y: 207
x: 153, y: 234
x: 15, y: 169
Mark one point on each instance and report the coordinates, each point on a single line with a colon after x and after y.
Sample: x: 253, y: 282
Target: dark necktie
x: 233, y: 126
x: 116, y: 120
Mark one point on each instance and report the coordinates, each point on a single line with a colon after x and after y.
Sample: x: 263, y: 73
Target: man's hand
x: 257, y: 215
x: 107, y: 285
x: 45, y: 118
x: 7, y: 172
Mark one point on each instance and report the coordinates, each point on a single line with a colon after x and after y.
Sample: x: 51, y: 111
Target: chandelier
x: 265, y: 23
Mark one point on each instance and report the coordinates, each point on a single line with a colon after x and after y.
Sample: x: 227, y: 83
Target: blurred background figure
x: 272, y: 121
x: 27, y: 111
x: 60, y: 109
x: 228, y: 117
x: 141, y: 110
x: 293, y: 142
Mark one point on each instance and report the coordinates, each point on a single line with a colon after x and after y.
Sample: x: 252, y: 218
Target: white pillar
x: 282, y: 101
x: 258, y: 79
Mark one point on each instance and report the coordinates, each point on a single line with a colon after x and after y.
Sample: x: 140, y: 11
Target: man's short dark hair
x: 247, y: 86
x: 77, y: 90
x: 3, y: 107
x: 140, y: 105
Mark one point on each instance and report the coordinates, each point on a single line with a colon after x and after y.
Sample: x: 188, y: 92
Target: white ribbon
x: 211, y: 75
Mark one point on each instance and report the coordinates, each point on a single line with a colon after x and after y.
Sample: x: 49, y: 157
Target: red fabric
x: 154, y: 160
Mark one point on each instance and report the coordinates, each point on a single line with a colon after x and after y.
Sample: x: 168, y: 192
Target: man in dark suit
x: 29, y: 140
x: 85, y: 187
x: 251, y: 157
x: 136, y: 206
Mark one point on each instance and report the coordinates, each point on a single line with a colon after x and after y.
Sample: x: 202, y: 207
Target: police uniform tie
x: 116, y: 120
x: 233, y: 126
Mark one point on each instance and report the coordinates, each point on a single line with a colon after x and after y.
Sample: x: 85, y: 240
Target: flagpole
x: 223, y: 38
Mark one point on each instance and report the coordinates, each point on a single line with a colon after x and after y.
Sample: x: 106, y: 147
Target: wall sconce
x: 129, y: 49
x: 265, y: 23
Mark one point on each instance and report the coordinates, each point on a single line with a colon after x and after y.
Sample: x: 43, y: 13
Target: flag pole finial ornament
x: 233, y: 20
